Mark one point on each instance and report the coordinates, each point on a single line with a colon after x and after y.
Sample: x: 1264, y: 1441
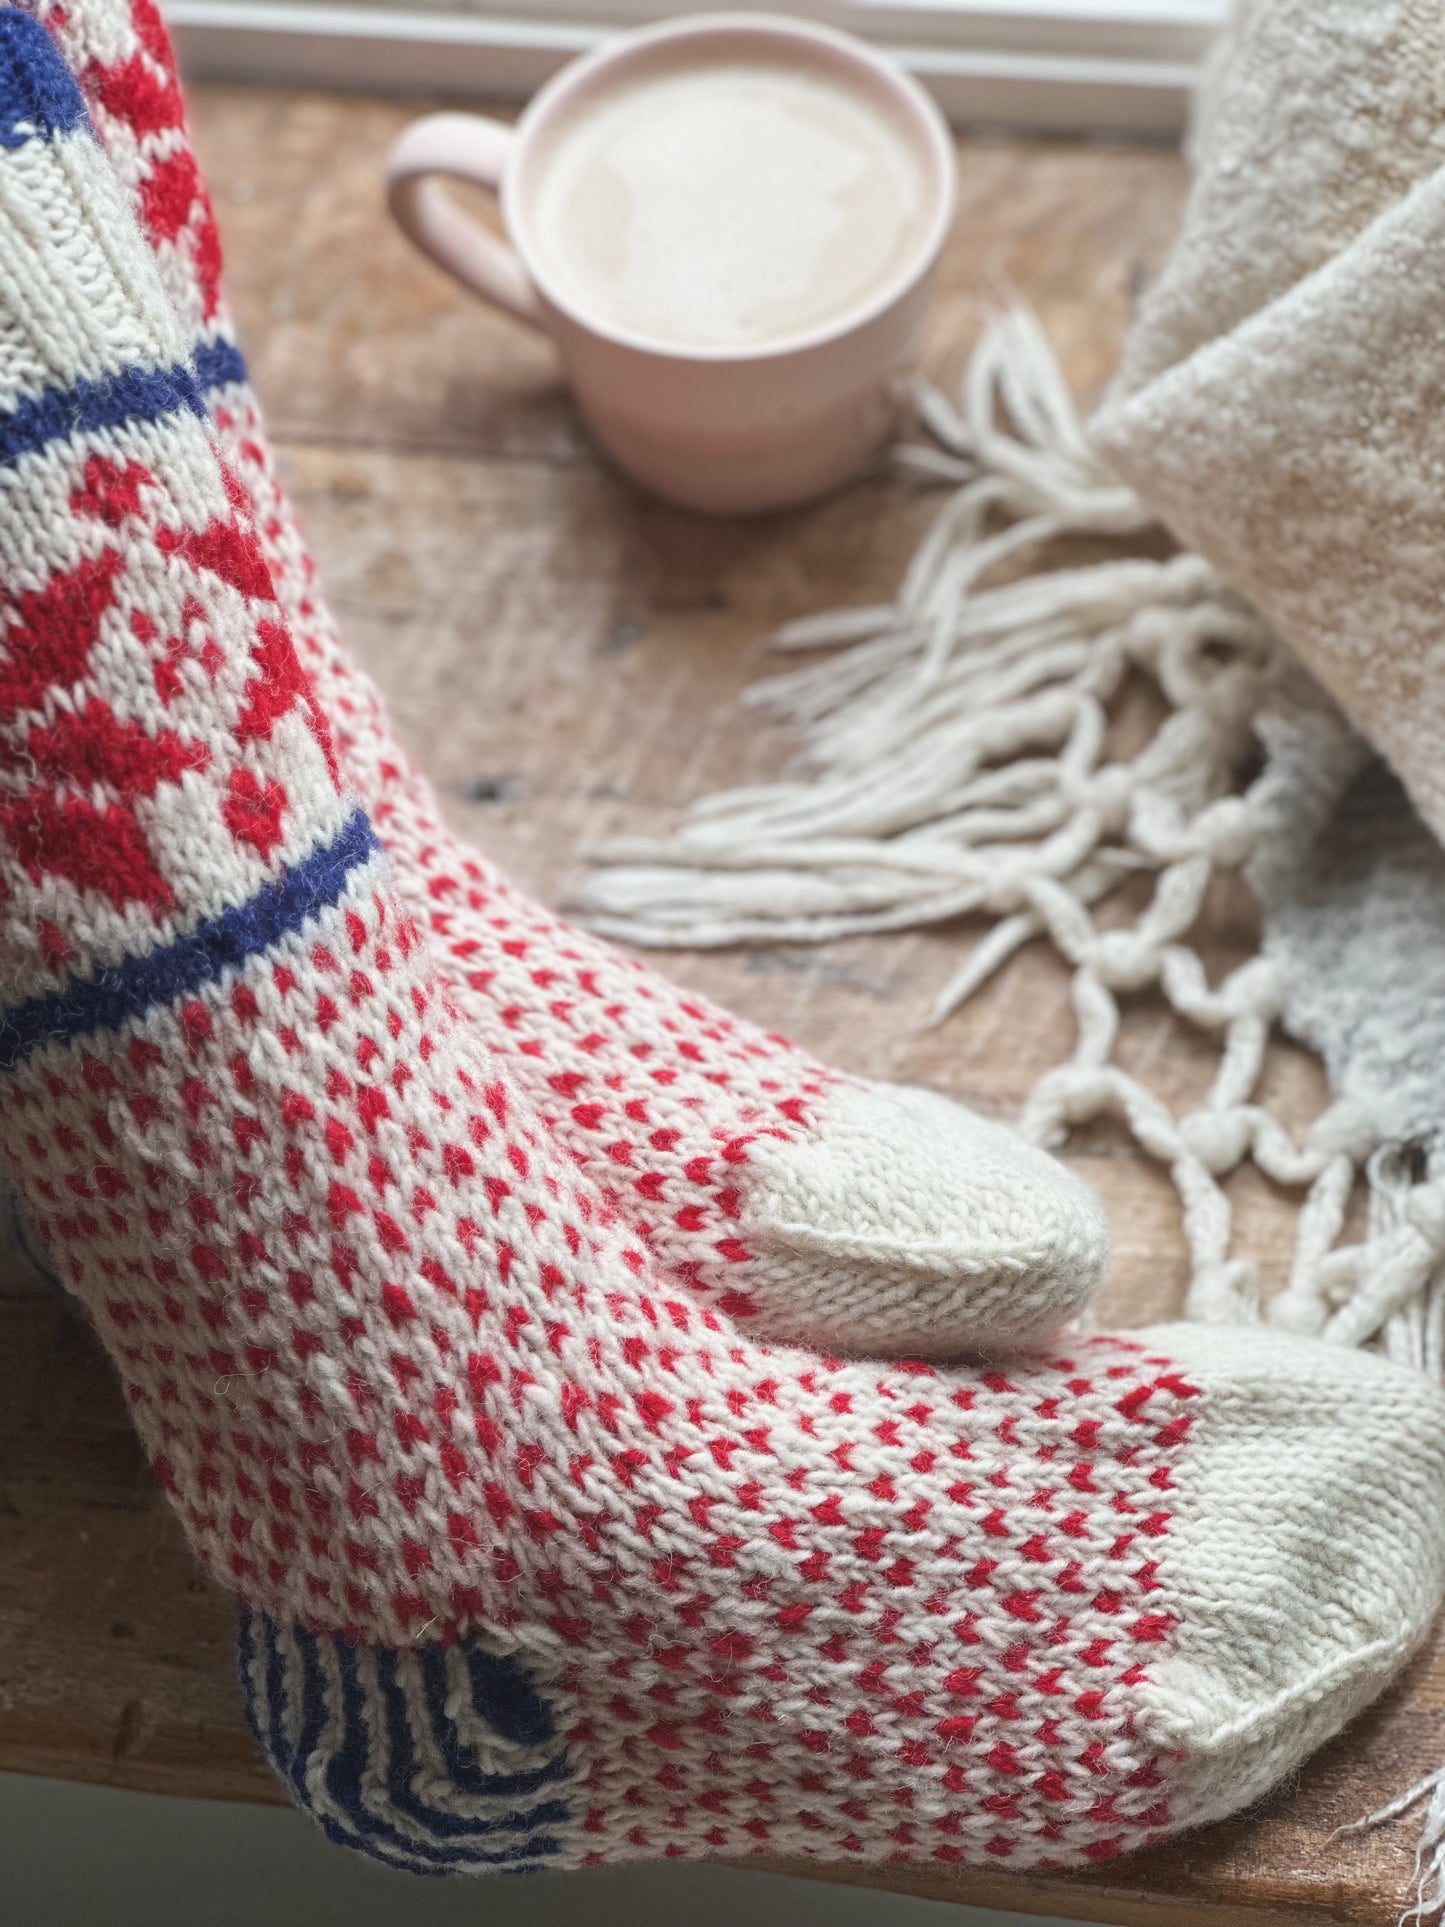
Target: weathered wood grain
x: 564, y: 654
x: 352, y: 337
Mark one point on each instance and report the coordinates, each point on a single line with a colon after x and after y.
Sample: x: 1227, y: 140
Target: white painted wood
x: 1105, y: 66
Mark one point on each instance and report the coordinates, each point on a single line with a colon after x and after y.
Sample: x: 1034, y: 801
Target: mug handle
x: 469, y: 148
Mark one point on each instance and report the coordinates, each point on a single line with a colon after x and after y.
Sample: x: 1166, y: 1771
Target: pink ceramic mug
x: 726, y: 429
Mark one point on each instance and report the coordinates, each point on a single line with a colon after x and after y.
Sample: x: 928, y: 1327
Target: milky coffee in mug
x: 726, y: 205
x: 727, y: 225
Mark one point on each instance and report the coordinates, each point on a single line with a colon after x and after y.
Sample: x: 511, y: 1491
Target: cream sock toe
x: 908, y: 1224
x: 1306, y: 1554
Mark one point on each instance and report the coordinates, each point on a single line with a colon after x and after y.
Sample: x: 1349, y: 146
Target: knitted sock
x: 1039, y: 1618
x: 541, y: 1559
x: 822, y: 1208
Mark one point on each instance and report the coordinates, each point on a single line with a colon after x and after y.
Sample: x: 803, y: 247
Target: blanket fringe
x: 960, y: 760
x: 1429, y: 1901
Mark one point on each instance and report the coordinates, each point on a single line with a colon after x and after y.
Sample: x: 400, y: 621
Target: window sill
x: 1097, y: 66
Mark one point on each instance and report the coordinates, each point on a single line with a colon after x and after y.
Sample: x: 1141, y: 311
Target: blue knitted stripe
x: 130, y: 396
x: 198, y: 958
x: 359, y: 1751
x: 499, y: 1686
x: 38, y: 95
x: 218, y: 364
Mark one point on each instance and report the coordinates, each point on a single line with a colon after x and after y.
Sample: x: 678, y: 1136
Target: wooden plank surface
x: 564, y: 653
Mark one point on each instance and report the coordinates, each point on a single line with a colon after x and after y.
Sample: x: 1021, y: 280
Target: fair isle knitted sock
x: 820, y: 1208
x: 540, y: 1559
x: 1148, y: 1614
x: 1038, y: 1618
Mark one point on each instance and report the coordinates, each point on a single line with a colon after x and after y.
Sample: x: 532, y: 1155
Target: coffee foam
x: 726, y: 205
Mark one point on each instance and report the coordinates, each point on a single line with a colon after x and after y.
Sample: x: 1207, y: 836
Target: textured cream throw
x: 1280, y: 403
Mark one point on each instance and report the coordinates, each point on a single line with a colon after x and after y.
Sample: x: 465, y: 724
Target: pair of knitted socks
x: 454, y: 1266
